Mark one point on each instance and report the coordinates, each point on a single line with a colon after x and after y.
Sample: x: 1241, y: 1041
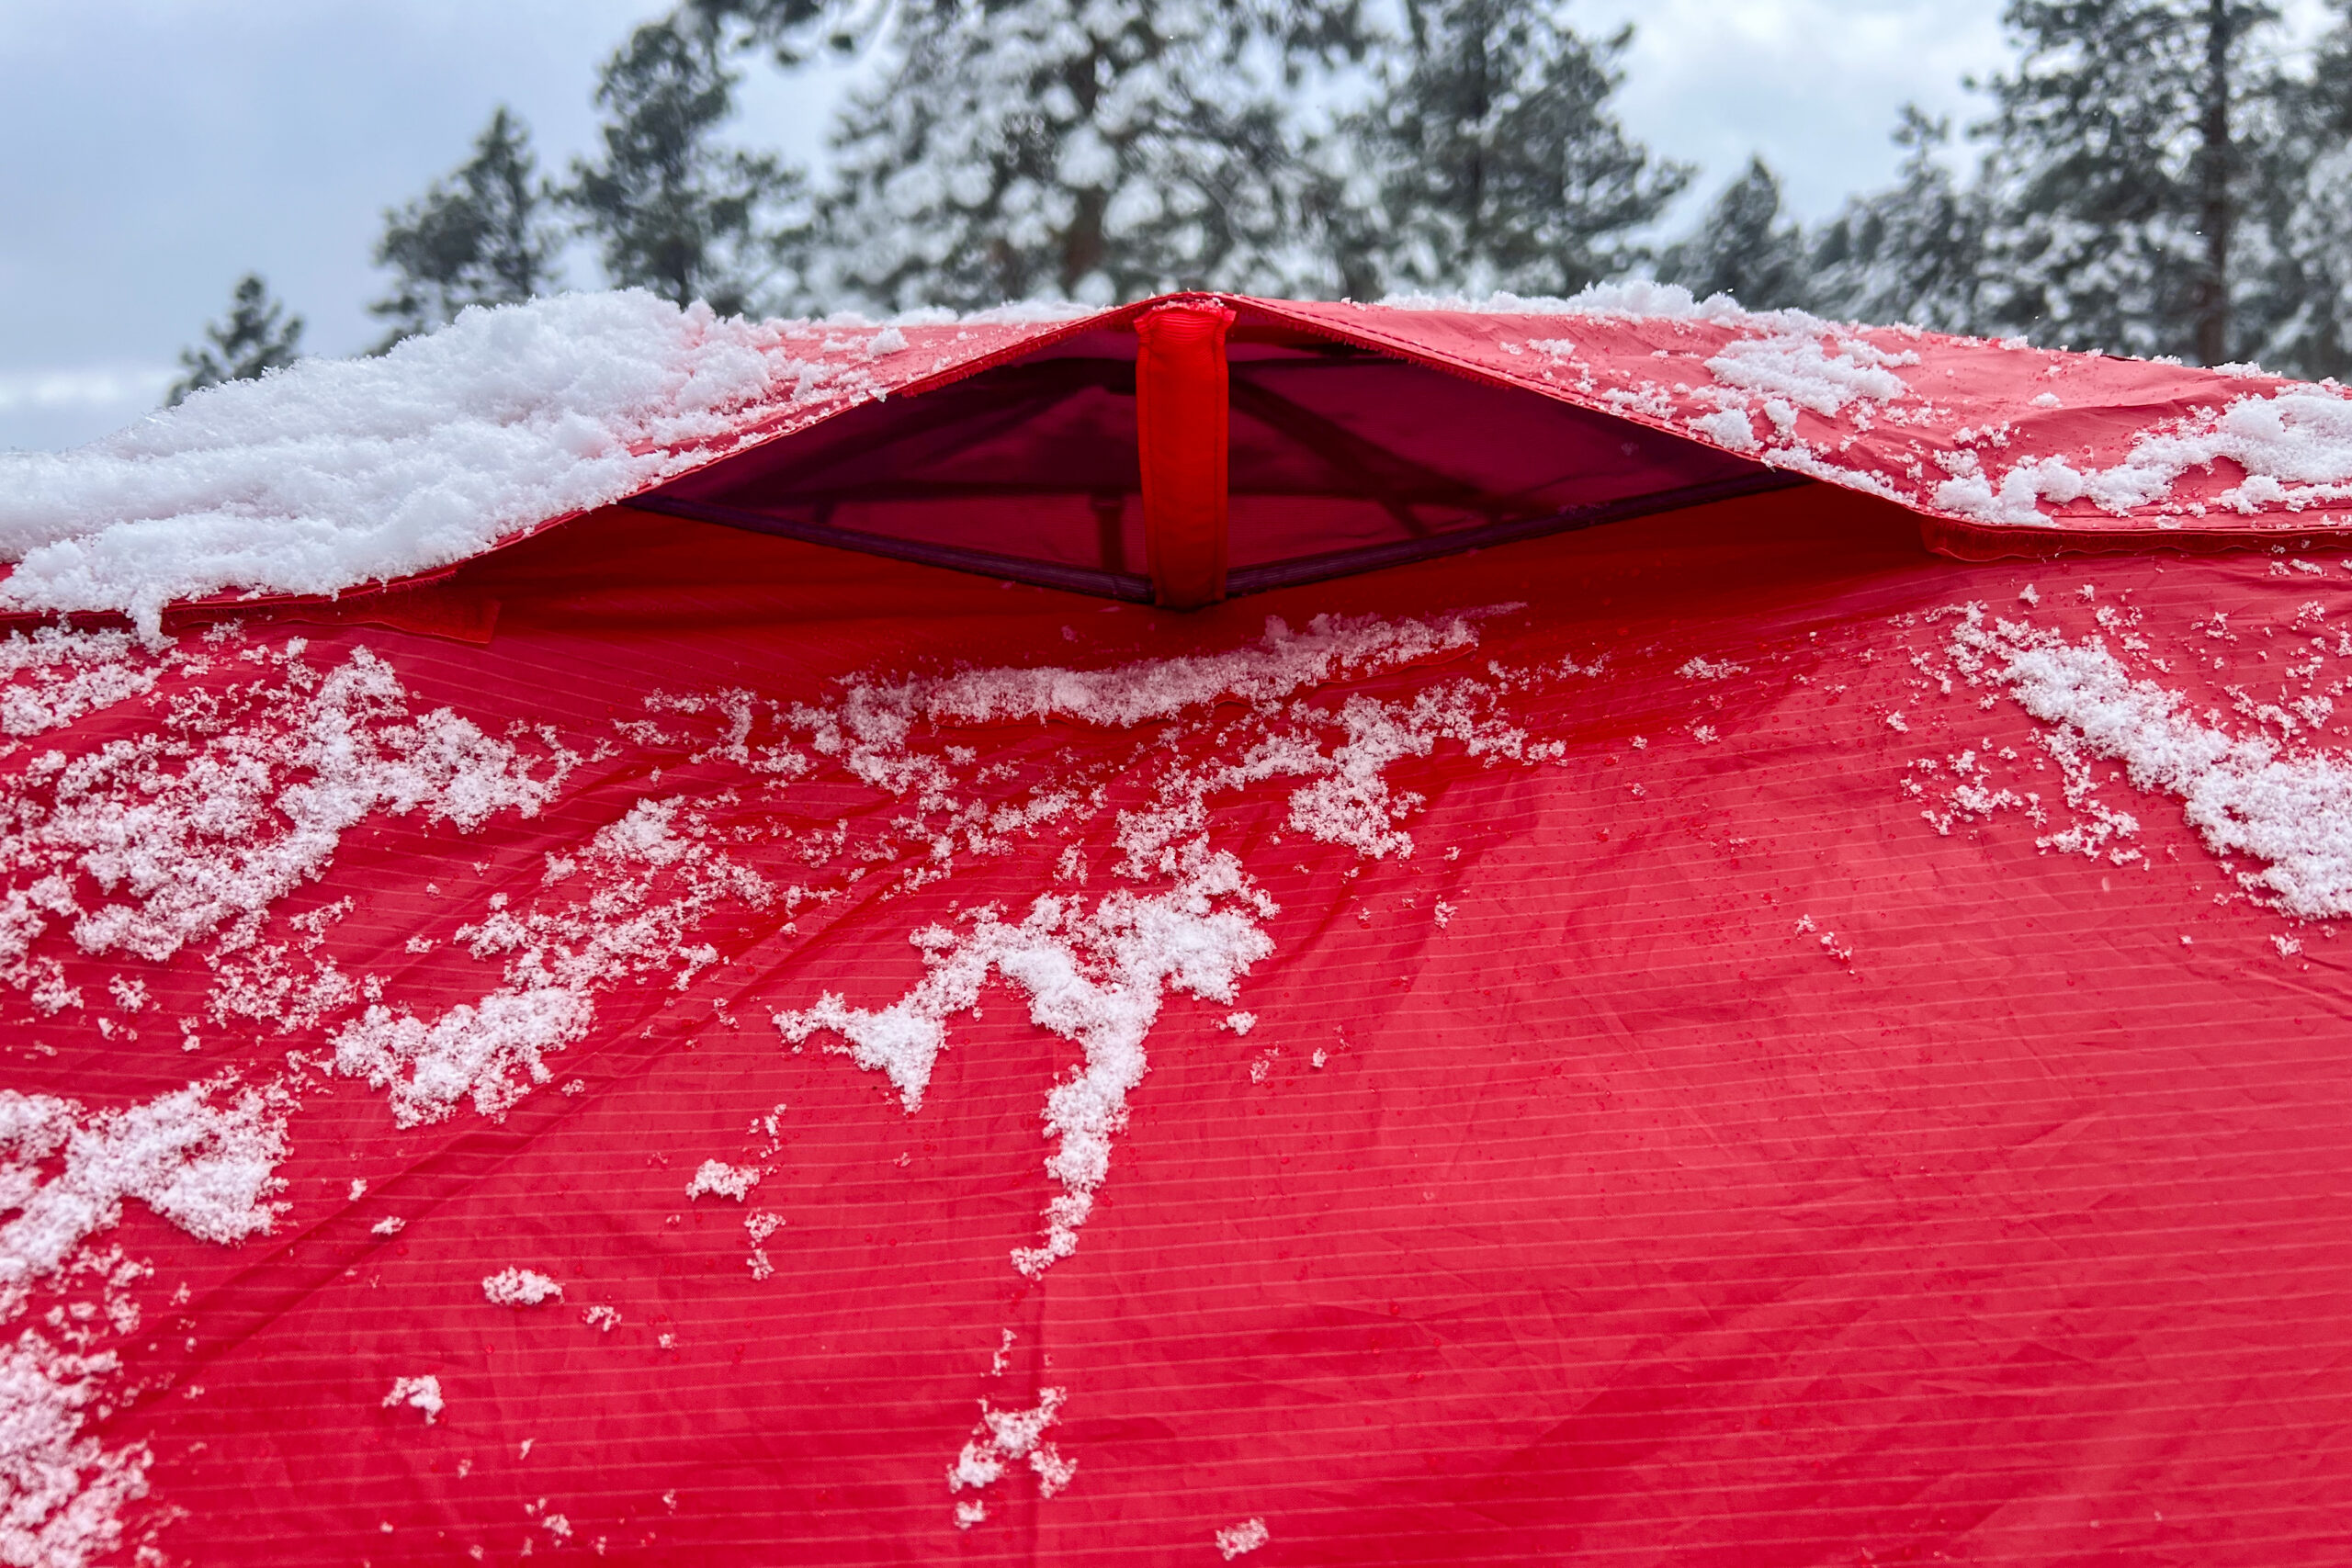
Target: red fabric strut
x: 1180, y: 440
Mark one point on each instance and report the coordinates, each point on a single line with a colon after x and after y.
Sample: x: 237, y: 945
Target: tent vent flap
x: 1199, y: 449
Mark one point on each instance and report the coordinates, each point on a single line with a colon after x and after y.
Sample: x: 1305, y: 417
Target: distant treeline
x: 2149, y: 177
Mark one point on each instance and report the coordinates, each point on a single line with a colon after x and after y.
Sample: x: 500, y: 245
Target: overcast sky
x: 162, y: 147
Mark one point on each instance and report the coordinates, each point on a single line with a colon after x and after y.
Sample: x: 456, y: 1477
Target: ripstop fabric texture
x: 1686, y: 1099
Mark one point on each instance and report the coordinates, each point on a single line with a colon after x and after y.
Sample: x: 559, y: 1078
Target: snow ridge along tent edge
x: 1359, y: 437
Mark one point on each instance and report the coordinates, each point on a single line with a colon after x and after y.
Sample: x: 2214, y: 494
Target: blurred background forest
x: 2158, y: 177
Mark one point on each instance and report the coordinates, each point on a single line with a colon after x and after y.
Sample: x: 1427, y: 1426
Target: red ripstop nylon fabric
x: 1966, y: 404
x: 1181, y: 412
x: 1703, y: 1148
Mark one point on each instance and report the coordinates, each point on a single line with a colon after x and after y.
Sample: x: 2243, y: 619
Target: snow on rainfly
x: 520, y: 1288
x: 2295, y: 446
x: 181, y: 843
x: 2241, y: 793
x: 210, y: 1170
x: 421, y: 1394
x: 337, y: 472
x: 1097, y: 974
x: 719, y: 1180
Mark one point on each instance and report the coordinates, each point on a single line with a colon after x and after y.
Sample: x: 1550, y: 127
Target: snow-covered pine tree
x: 670, y: 208
x: 791, y: 30
x: 486, y: 235
x: 1743, y: 247
x: 2121, y: 154
x: 1087, y: 150
x: 2299, y: 314
x: 1912, y: 252
x: 1491, y: 157
x: 258, y: 336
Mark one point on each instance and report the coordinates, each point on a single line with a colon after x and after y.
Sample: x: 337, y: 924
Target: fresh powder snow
x: 1246, y: 1537
x: 418, y: 1393
x: 520, y: 1288
x: 337, y: 472
x: 2245, y: 795
x: 717, y: 1179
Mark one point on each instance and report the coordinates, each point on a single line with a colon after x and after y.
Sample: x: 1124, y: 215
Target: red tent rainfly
x: 1612, y: 931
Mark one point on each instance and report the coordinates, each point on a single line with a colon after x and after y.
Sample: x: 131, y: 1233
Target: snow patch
x: 1247, y: 1536
x: 720, y: 1179
x: 199, y: 828
x: 2294, y: 445
x: 208, y: 1169
x: 1093, y: 975
x: 617, y: 927
x: 2244, y: 795
x: 419, y: 1394
x: 337, y: 472
x: 62, y: 1493
x: 520, y: 1288
x: 1005, y: 1437
x: 1798, y: 367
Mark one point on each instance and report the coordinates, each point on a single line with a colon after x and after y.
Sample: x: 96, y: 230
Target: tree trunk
x: 2214, y: 168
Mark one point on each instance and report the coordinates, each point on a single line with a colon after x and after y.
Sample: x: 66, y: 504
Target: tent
x: 1612, y: 931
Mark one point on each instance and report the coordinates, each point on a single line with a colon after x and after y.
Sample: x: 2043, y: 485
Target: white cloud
x: 1815, y: 85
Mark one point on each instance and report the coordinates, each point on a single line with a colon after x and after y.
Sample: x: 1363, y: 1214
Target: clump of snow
x: 197, y: 828
x: 61, y: 1494
x: 391, y: 1224
x: 2295, y: 446
x: 1247, y: 1536
x: 760, y: 1225
x: 1796, y: 367
x: 337, y: 472
x: 57, y: 675
x: 1730, y: 428
x: 495, y: 1050
x: 1096, y: 975
x: 717, y: 1179
x: 421, y: 1394
x: 490, y: 1051
x: 520, y: 1288
x: 208, y: 1169
x: 1005, y: 1437
x: 1698, y: 669
x: 1097, y: 971
x: 2243, y: 795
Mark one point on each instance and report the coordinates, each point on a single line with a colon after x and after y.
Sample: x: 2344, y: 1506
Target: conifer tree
x: 1494, y: 160
x: 792, y: 30
x: 670, y: 208
x: 258, y: 336
x: 1913, y: 253
x: 2299, y: 307
x: 1743, y: 247
x: 2123, y: 150
x: 484, y: 236
x: 1021, y: 149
